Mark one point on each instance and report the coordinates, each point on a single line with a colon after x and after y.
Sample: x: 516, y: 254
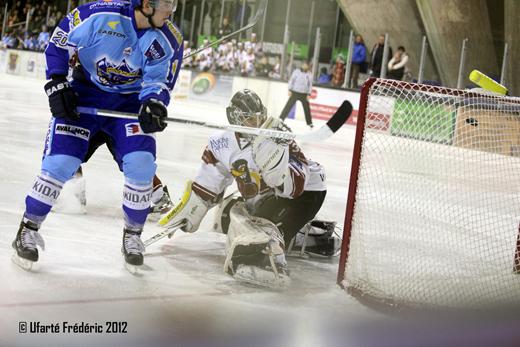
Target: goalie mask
x: 246, y: 109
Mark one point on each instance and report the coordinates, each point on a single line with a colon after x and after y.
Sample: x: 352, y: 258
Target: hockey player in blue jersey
x: 124, y: 57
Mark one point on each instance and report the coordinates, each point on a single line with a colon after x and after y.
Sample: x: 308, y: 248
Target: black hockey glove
x: 152, y: 116
x: 62, y: 99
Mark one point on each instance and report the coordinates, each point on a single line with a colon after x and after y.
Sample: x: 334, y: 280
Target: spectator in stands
x: 263, y: 68
x: 31, y: 42
x: 397, y: 65
x: 242, y: 9
x: 214, y: 14
x: 43, y: 38
x: 359, y: 56
x: 276, y: 71
x: 338, y: 74
x: 376, y: 57
x: 247, y: 67
x: 300, y: 88
x: 324, y: 77
x: 225, y: 29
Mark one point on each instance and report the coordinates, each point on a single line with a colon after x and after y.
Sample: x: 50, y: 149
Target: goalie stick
x: 259, y: 13
x: 332, y: 125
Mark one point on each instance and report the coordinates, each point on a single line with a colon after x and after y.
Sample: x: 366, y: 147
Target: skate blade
x: 134, y: 269
x: 25, y: 264
x: 261, y: 278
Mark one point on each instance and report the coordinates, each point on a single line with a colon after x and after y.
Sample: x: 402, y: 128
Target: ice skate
x: 160, y: 207
x: 132, y: 250
x: 316, y: 239
x: 26, y: 243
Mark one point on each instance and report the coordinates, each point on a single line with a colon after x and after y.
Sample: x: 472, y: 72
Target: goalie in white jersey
x: 281, y: 192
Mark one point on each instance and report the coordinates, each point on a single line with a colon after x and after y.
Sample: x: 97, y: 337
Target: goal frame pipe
x: 354, y: 175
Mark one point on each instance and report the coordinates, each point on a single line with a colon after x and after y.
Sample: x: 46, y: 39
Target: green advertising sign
x: 339, y: 51
x: 201, y: 38
x: 300, y: 51
x: 427, y: 121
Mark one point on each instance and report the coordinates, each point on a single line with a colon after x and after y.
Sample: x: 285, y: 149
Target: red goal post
x: 433, y: 209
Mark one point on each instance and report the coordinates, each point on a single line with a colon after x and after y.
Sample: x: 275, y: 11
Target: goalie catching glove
x: 272, y: 155
x: 191, y: 209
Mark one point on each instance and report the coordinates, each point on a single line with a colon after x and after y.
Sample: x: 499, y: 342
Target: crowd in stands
x: 240, y: 58
x: 43, y: 18
x: 245, y: 58
x: 367, y: 63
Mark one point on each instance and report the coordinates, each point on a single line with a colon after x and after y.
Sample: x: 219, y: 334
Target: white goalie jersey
x: 229, y: 157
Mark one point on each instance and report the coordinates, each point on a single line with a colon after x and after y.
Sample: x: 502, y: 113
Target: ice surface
x: 183, y: 296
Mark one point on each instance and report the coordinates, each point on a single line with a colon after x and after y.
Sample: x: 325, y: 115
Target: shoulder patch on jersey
x: 175, y: 32
x: 59, y: 37
x: 74, y: 19
x: 155, y: 51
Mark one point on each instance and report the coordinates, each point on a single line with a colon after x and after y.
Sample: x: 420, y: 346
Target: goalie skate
x: 317, y: 239
x: 257, y: 276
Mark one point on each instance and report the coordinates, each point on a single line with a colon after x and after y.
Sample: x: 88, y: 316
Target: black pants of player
x: 99, y: 140
x: 293, y: 214
x: 305, y: 103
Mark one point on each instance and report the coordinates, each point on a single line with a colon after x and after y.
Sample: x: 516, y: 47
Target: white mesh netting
x: 437, y: 201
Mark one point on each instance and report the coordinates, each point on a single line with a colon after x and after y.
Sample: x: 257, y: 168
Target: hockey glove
x: 62, y: 99
x: 190, y: 210
x: 152, y: 116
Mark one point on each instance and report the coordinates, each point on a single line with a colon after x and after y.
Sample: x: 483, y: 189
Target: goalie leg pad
x: 255, y: 250
x: 222, y: 217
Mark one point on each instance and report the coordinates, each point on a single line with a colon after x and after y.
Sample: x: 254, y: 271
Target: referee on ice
x: 300, y: 87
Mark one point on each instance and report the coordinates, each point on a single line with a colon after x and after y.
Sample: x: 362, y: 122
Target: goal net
x: 433, y: 209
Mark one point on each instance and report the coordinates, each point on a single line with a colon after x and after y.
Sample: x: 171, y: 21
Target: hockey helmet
x: 246, y: 109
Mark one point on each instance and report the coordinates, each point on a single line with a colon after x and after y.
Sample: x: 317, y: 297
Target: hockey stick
x: 259, y: 13
x: 485, y: 82
x: 171, y: 229
x: 166, y: 232
x: 236, y: 128
x: 333, y: 124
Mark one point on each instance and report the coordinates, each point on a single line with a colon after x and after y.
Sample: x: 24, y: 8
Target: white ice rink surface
x: 183, y: 296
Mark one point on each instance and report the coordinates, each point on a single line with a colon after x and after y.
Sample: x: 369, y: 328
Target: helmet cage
x: 236, y: 116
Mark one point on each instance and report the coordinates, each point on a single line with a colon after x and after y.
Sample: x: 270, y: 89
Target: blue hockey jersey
x: 119, y: 61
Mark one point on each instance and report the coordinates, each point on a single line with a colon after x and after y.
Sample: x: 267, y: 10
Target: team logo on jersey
x: 155, y: 51
x: 114, y: 74
x: 59, y: 37
x: 113, y: 24
x: 71, y: 130
x: 249, y: 182
x: 218, y: 144
x: 74, y: 19
x: 127, y: 51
